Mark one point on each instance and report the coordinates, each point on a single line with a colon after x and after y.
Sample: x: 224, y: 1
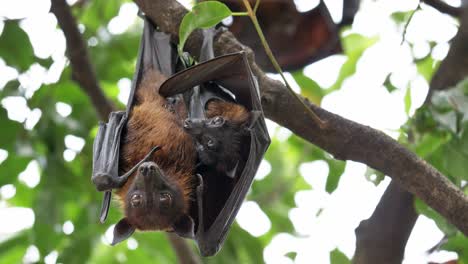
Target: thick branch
x: 444, y: 7
x: 343, y: 138
x: 82, y: 69
x: 453, y: 68
x: 84, y: 75
x: 382, y: 238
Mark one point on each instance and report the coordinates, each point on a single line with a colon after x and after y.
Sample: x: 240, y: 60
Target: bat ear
x: 184, y: 226
x: 122, y: 230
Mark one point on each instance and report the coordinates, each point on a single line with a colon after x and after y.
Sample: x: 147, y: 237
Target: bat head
x: 217, y: 141
x: 153, y: 202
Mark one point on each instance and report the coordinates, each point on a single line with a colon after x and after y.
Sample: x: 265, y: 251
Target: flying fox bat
x: 165, y: 190
x: 219, y: 128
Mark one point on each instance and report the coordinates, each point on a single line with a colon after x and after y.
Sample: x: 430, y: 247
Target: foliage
x: 65, y: 193
x: 203, y: 15
x: 439, y: 133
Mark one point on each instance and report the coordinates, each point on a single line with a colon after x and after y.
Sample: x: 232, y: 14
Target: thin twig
x: 276, y: 65
x: 408, y: 22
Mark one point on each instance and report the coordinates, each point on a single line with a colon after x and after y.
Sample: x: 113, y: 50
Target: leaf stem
x: 256, y: 7
x: 239, y: 14
x: 276, y: 65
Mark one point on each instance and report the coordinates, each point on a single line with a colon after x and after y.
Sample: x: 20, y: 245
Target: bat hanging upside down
x: 157, y: 195
x: 220, y: 128
x: 219, y: 136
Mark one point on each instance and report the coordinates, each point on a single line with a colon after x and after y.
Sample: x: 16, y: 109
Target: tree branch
x: 84, y: 75
x: 343, y: 138
x: 82, y: 69
x: 453, y: 67
x: 444, y: 7
x: 382, y: 238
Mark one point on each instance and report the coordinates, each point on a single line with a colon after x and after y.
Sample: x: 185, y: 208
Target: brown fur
x: 233, y: 112
x: 151, y: 124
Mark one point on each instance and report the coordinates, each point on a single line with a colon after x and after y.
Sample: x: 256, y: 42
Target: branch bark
x: 83, y: 73
x: 77, y: 52
x: 444, y: 7
x: 382, y: 238
x: 343, y: 138
x: 453, y: 67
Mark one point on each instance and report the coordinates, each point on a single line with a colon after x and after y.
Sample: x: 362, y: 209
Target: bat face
x: 153, y: 202
x: 217, y: 141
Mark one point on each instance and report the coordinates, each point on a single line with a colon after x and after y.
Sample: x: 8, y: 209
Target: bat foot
x: 103, y: 182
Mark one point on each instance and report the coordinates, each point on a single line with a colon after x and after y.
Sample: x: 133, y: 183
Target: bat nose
x: 147, y: 168
x: 193, y: 125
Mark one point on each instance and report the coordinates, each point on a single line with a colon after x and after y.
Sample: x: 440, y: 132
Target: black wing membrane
x: 156, y: 51
x: 106, y: 149
x: 231, y: 72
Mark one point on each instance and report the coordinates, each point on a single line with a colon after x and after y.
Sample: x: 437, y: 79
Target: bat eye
x: 165, y: 201
x: 217, y: 121
x: 136, y: 200
x: 211, y: 144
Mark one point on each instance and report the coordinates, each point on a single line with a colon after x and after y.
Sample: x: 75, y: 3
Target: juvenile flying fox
x: 219, y: 138
x: 157, y: 195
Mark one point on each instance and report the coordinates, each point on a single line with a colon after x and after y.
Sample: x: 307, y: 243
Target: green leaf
x: 440, y: 221
x: 309, y: 88
x: 458, y: 244
x: 203, y: 15
x: 426, y: 67
x: 15, y: 48
x: 336, y: 168
x: 10, y: 130
x: 354, y: 46
x: 408, y: 100
x: 337, y: 257
x: 379, y: 176
x: 401, y: 17
x: 389, y: 85
x: 429, y: 143
x: 95, y: 14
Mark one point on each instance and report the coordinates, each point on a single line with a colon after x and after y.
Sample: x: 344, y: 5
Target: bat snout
x: 148, y: 168
x: 193, y: 125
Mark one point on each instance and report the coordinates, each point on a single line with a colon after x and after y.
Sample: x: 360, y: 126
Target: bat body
x: 166, y: 190
x: 219, y: 136
x: 156, y: 196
